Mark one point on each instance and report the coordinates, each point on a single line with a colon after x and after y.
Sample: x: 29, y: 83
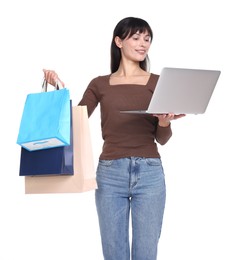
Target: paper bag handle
x: 56, y: 87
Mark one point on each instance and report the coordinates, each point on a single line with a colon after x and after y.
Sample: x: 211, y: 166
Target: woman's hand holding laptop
x: 165, y: 119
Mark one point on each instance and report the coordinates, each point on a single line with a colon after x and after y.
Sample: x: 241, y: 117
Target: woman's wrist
x: 164, y: 124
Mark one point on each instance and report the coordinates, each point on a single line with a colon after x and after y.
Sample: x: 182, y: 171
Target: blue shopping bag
x: 47, y: 162
x: 45, y: 121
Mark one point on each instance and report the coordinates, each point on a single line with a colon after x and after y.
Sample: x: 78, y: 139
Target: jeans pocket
x: 105, y: 162
x: 103, y: 166
x: 153, y: 161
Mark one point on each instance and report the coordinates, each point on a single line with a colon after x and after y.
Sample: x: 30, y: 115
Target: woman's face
x: 135, y: 47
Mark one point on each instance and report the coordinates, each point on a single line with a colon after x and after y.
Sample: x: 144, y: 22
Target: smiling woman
x: 205, y: 166
x: 130, y: 174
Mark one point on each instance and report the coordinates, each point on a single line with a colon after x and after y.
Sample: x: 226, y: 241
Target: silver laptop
x: 182, y: 91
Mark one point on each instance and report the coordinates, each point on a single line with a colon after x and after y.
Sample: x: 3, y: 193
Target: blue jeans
x: 135, y: 185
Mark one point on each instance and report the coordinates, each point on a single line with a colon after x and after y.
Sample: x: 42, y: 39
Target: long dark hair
x: 125, y: 29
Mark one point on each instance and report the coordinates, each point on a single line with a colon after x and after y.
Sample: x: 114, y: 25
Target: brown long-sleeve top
x: 125, y: 135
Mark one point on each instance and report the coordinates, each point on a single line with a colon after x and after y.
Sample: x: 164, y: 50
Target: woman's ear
x: 118, y: 42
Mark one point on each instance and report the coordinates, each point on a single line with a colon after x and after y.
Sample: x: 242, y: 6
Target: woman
x: 130, y: 174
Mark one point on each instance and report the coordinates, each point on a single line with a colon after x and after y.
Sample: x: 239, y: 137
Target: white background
x: 205, y: 161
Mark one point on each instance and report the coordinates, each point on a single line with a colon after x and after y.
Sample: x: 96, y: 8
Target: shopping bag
x: 54, y: 161
x: 45, y: 121
x: 84, y: 178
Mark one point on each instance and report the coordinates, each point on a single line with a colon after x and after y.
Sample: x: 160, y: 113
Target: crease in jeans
x: 134, y: 173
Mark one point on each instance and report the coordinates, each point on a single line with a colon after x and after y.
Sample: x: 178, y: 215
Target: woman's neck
x: 129, y: 71
x: 121, y: 76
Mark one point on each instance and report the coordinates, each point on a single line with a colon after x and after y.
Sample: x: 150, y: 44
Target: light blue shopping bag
x: 45, y: 121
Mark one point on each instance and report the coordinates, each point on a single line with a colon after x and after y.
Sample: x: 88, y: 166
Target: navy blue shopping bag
x: 52, y: 161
